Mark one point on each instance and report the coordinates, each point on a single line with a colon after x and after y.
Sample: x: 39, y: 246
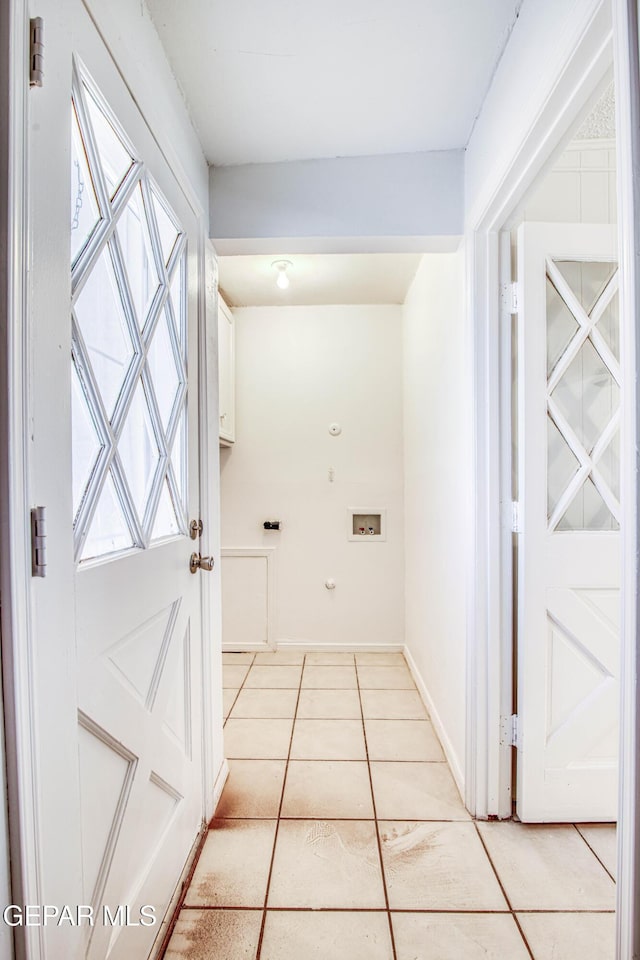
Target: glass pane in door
x: 85, y: 213
x: 137, y: 253
x: 104, y: 329
x: 583, y: 396
x: 129, y: 344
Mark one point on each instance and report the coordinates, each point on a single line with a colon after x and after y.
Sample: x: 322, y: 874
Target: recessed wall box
x: 366, y: 525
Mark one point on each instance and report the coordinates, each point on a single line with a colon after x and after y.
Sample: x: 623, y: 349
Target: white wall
x: 299, y: 369
x: 437, y: 466
x: 392, y: 196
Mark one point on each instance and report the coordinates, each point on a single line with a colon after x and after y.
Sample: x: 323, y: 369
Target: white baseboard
x: 309, y: 646
x: 452, y: 757
x: 247, y: 647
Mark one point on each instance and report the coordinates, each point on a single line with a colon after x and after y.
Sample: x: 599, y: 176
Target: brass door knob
x: 200, y: 563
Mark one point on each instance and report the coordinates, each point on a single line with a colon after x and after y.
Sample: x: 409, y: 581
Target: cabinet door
x: 226, y: 362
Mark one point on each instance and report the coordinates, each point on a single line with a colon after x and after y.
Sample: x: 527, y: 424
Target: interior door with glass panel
x: 115, y: 461
x: 569, y: 549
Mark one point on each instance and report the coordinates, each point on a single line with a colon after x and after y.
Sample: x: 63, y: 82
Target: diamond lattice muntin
x: 583, y: 396
x: 129, y: 353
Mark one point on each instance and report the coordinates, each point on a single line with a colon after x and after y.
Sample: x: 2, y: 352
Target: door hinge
x: 509, y: 297
x: 36, y: 51
x: 516, y: 517
x: 514, y: 297
x: 509, y: 731
x: 38, y: 542
x: 515, y: 731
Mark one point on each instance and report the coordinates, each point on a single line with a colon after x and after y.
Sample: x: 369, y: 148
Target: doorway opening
x: 565, y: 408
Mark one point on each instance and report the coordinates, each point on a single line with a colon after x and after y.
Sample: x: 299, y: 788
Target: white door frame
x: 627, y: 75
x: 15, y: 570
x: 17, y: 636
x: 488, y: 759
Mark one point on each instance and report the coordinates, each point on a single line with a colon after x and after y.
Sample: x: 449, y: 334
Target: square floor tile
x: 392, y: 705
x: 547, y: 867
x: 326, y: 864
x: 266, y: 704
x: 274, y: 677
x: 457, y: 936
x: 302, y: 935
x: 215, y: 935
x: 238, y: 658
x: 570, y: 936
x: 234, y: 864
x: 328, y: 740
x: 437, y: 866
x: 329, y: 705
x: 228, y: 699
x: 402, y: 740
x: 327, y: 788
x: 329, y: 678
x: 328, y: 659
x: 416, y: 791
x: 279, y: 658
x: 385, y: 678
x: 602, y: 839
x: 257, y: 739
x: 234, y: 674
x: 253, y: 789
x: 381, y: 659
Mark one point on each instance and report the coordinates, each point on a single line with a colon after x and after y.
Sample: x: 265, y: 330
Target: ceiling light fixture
x: 282, y: 280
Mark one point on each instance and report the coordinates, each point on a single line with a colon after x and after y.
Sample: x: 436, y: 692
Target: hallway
x: 341, y: 835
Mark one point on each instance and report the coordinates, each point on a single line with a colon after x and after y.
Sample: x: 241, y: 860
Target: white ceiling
x: 300, y: 79
x: 318, y: 279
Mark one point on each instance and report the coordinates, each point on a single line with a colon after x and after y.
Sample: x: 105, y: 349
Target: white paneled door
x: 569, y: 547
x: 117, y: 701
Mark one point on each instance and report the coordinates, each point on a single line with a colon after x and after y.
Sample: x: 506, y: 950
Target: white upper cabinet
x: 227, y: 374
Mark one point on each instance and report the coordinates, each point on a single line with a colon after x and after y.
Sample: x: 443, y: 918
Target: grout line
x: 235, y: 700
x: 516, y: 920
x: 504, y: 892
x: 468, y: 911
x: 601, y: 862
x: 377, y: 828
x: 434, y: 763
x: 493, y: 866
x: 349, y: 819
x: 275, y: 838
x: 241, y: 687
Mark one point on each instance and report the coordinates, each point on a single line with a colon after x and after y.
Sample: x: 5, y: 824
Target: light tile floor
x: 341, y: 835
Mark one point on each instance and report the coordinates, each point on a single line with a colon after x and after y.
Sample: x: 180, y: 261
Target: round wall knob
x: 330, y: 584
x: 335, y: 429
